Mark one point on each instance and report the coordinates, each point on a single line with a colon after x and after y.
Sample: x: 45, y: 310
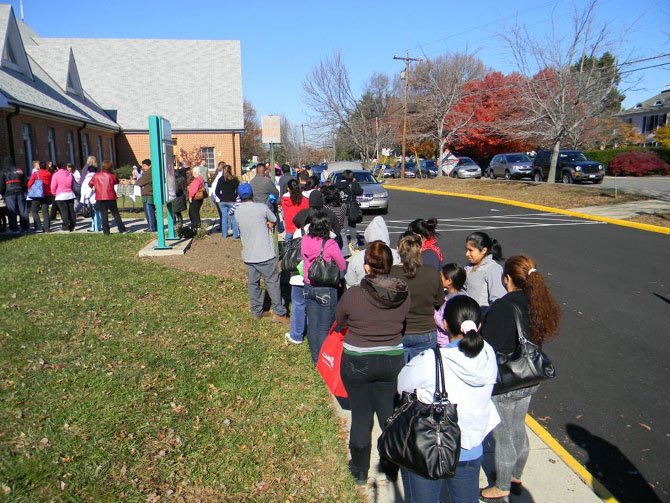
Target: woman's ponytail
x: 462, y: 315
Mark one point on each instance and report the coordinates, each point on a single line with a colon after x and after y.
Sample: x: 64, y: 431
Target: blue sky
x: 282, y: 41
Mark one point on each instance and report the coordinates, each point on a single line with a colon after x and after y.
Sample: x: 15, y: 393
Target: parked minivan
x: 573, y: 167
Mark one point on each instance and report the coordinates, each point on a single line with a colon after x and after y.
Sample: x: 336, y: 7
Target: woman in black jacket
x: 226, y: 191
x: 179, y: 203
x: 528, y: 291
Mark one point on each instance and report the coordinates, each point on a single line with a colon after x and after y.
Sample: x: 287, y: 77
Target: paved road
x: 657, y: 187
x: 609, y: 406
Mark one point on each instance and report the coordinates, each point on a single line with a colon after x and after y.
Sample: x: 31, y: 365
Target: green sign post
x: 162, y: 174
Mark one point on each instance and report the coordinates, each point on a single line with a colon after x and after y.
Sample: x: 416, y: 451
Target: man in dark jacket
x: 351, y: 189
x: 263, y: 187
x: 13, y: 189
x: 147, y: 184
x: 284, y: 179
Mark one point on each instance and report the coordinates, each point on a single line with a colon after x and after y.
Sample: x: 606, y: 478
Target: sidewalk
x: 626, y: 210
x: 547, y: 478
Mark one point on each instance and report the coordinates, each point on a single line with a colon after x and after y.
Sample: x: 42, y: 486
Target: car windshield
x: 573, y: 156
x: 362, y: 177
x: 466, y: 160
x: 518, y: 158
x: 430, y: 164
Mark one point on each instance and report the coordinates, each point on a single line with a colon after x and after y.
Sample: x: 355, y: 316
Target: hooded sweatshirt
x: 375, y: 231
x: 374, y: 313
x: 469, y: 383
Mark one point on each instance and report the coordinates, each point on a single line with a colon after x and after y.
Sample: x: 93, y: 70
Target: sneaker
x: 276, y: 318
x: 290, y: 339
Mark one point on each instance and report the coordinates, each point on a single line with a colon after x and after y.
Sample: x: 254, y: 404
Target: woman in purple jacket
x: 320, y: 301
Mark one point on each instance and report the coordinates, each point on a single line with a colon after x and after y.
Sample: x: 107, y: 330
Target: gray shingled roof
x: 650, y: 104
x: 195, y: 84
x: 42, y: 92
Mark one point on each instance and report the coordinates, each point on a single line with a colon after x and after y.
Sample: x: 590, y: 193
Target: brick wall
x: 39, y: 131
x: 4, y: 137
x: 133, y: 147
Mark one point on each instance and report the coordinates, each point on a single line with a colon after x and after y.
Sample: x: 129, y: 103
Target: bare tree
x: 251, y: 140
x: 563, y: 87
x: 437, y: 86
x: 337, y: 110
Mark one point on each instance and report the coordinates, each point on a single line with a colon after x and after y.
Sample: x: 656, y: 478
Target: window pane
x: 207, y: 153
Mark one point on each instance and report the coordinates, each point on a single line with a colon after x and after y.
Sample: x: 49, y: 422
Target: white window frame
x: 211, y: 161
x: 85, y: 146
x: 111, y: 150
x: 101, y: 156
x: 70, y: 146
x: 51, y: 142
x: 27, y: 147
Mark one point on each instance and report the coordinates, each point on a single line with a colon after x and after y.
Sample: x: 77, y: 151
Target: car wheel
x: 537, y: 176
x: 567, y: 178
x: 508, y: 175
x: 492, y: 175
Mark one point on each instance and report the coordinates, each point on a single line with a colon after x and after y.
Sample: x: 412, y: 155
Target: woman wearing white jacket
x: 88, y: 198
x: 470, y: 371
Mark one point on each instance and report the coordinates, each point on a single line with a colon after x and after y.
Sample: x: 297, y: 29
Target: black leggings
x: 194, y: 213
x: 41, y: 204
x: 67, y: 214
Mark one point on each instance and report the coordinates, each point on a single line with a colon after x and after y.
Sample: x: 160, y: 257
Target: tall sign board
x: 162, y: 174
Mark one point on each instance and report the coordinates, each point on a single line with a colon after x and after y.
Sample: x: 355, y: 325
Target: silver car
x: 466, y: 168
x: 375, y: 197
x: 510, y: 166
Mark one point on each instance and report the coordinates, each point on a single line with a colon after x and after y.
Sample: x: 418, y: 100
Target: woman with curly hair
x: 541, y: 314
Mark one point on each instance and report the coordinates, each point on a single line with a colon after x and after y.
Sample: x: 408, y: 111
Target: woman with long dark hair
x: 483, y: 271
x: 430, y: 251
x: 226, y: 192
x: 320, y: 301
x: 292, y: 202
x: 374, y: 313
x: 528, y: 291
x: 427, y: 294
x: 470, y: 371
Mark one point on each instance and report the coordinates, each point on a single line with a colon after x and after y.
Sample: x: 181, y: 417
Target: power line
x: 646, y: 68
x: 641, y: 60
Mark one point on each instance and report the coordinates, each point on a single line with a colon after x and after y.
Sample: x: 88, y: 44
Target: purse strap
x: 323, y: 244
x: 441, y: 394
x: 520, y: 330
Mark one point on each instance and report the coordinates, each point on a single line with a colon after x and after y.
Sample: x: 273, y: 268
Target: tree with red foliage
x: 491, y: 101
x: 638, y: 164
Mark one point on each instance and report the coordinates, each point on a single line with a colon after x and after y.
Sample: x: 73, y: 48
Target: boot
x: 360, y: 464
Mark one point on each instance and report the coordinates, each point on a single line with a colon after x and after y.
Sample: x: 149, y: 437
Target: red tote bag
x: 328, y: 363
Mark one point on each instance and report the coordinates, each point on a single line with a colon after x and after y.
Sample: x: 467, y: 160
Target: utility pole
x: 406, y: 59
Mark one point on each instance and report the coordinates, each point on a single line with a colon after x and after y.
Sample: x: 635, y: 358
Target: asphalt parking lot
x: 609, y: 404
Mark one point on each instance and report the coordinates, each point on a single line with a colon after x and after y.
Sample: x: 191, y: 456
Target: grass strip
x: 123, y: 379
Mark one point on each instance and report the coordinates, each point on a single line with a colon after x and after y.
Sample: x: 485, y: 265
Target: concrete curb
x: 598, y: 488
x: 538, y: 207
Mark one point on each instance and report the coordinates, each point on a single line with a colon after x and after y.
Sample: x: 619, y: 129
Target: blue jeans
x: 150, y: 214
x: 17, y: 209
x: 320, y: 304
x: 298, y: 317
x: 462, y: 488
x: 96, y: 221
x: 228, y: 220
x: 415, y: 344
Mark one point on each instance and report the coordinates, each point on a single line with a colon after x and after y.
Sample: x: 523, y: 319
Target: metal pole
x: 275, y: 236
x: 407, y: 59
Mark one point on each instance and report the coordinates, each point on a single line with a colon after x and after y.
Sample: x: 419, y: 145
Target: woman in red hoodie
x: 105, y: 197
x: 291, y: 203
x: 42, y: 203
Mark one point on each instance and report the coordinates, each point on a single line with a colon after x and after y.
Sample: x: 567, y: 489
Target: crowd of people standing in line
x: 396, y: 304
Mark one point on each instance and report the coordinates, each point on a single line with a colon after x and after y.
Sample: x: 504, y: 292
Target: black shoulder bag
x: 322, y: 273
x: 291, y: 255
x: 424, y: 438
x: 526, y: 366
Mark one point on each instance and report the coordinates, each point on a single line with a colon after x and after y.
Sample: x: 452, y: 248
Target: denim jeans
x: 150, y: 214
x: 96, y: 220
x: 415, y: 344
x: 17, y: 209
x: 371, y: 382
x: 320, y: 304
x: 461, y: 488
x: 298, y: 317
x: 228, y: 220
x: 511, y: 440
x: 104, y: 207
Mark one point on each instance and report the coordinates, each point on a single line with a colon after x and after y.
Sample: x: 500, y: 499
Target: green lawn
x: 123, y: 379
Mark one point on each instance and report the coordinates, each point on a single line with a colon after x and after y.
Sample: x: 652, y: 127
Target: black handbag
x: 424, y: 438
x: 322, y: 273
x: 355, y: 214
x: 526, y: 366
x: 291, y: 255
